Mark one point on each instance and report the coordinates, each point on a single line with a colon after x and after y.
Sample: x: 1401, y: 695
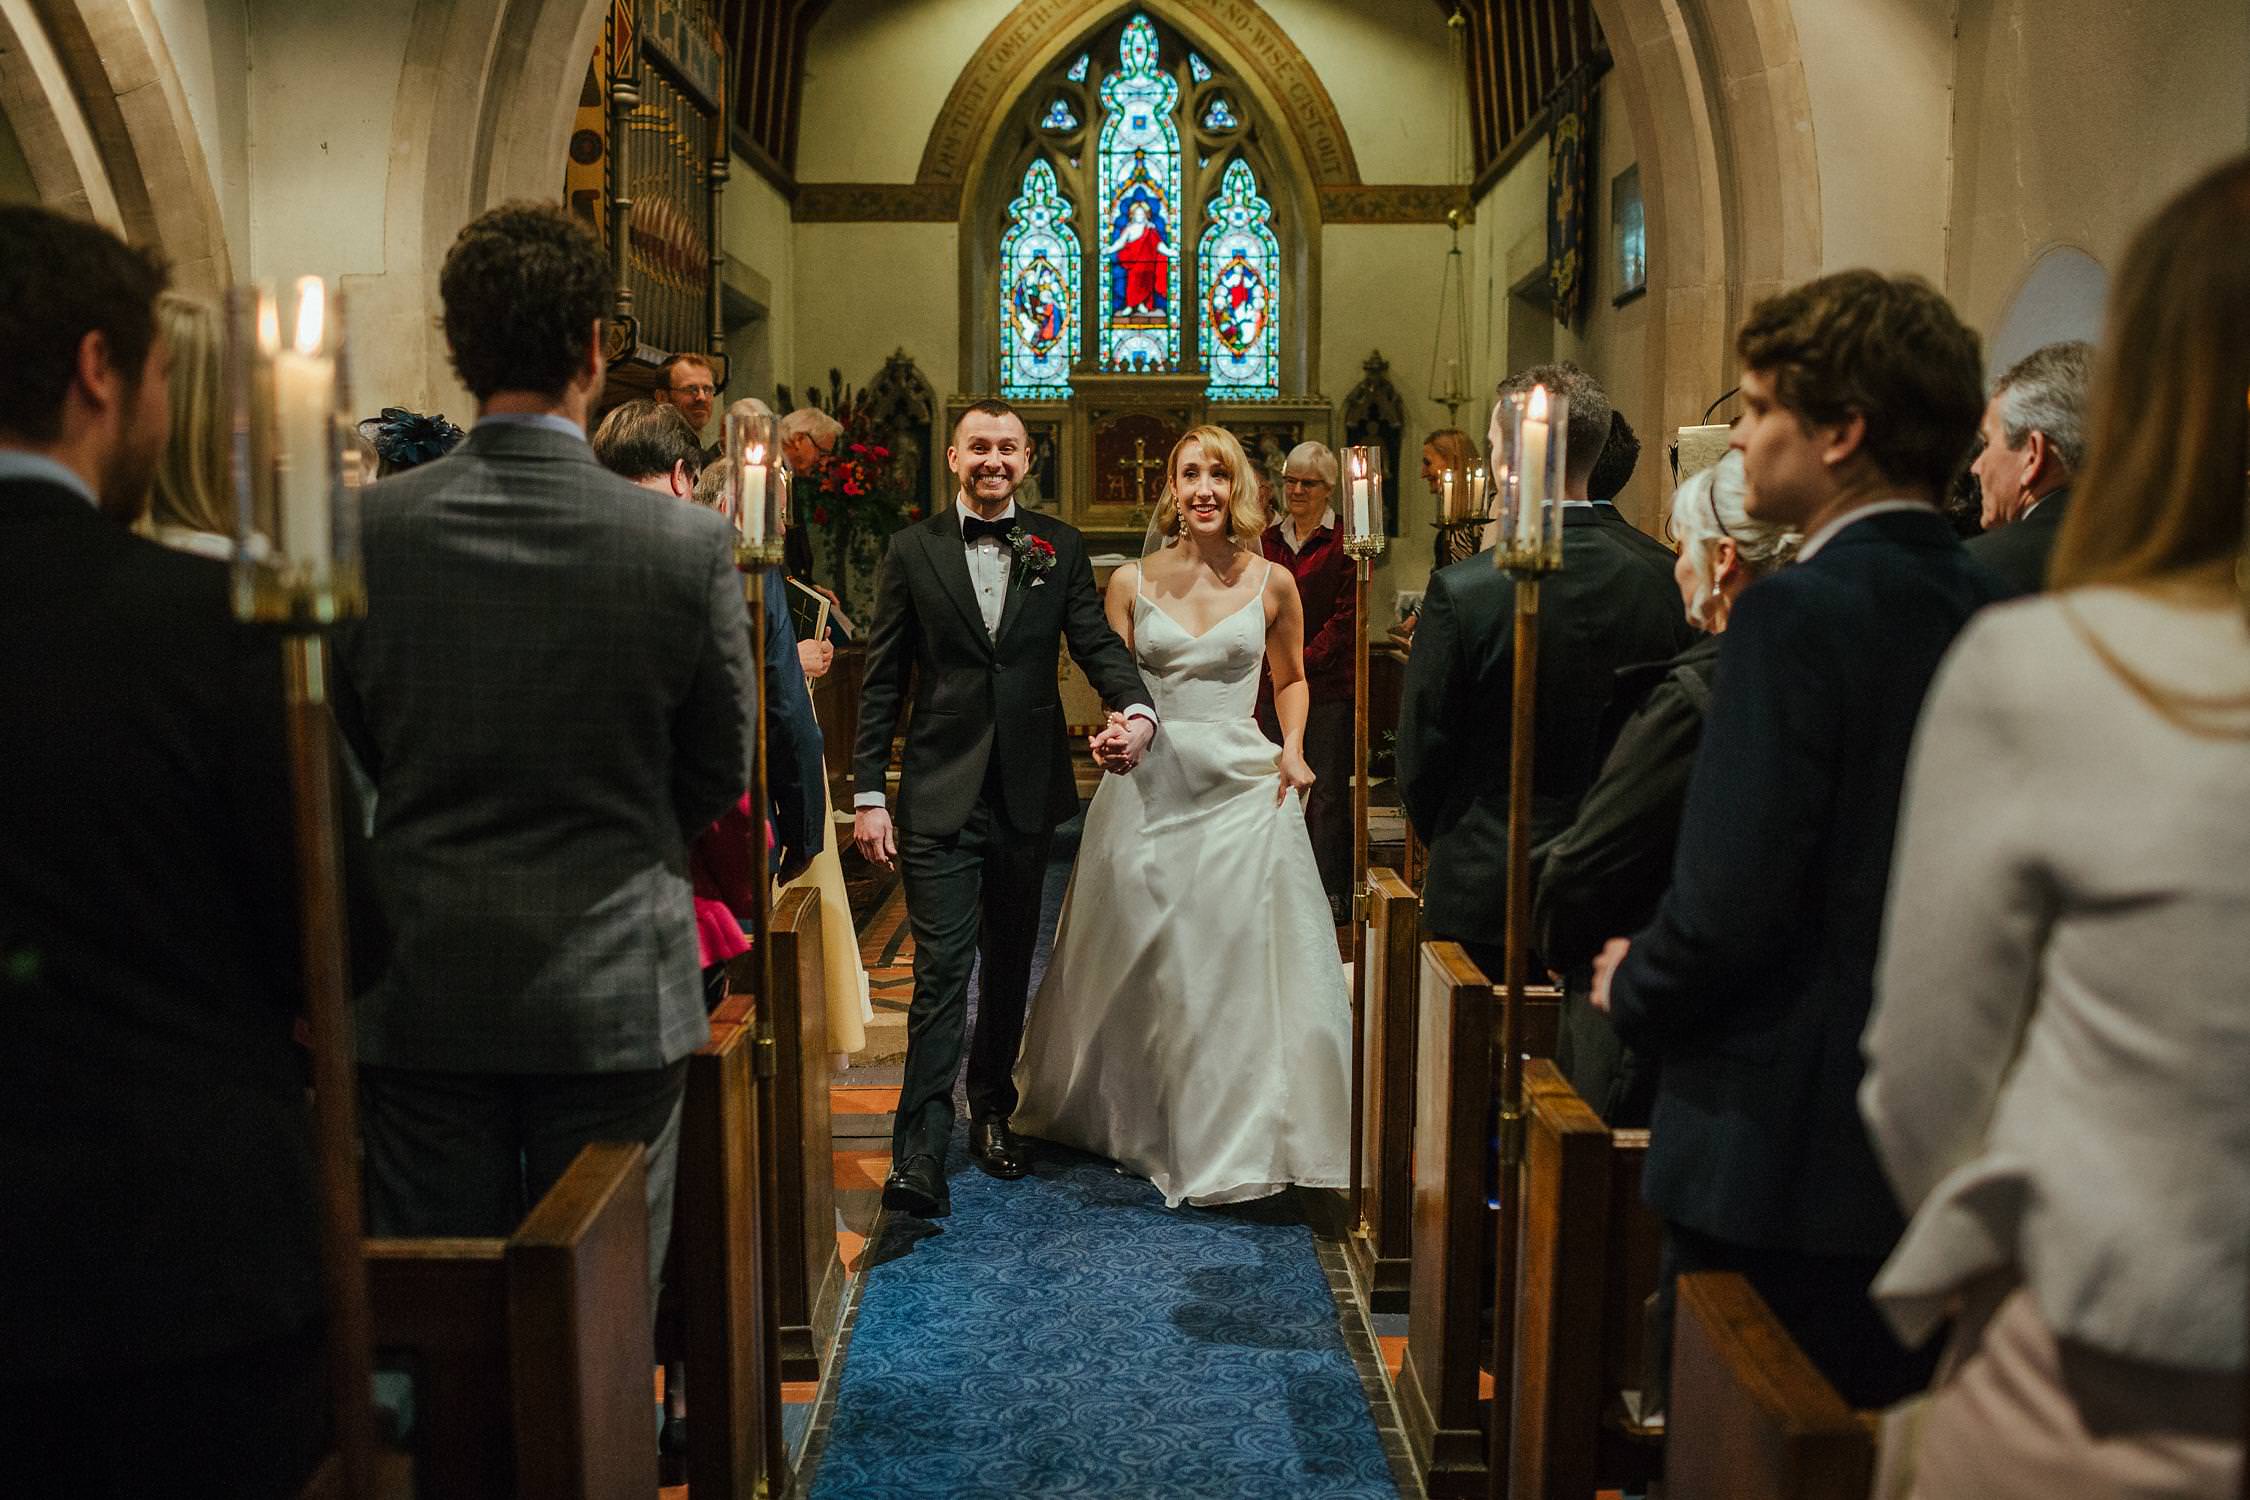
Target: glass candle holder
x: 1533, y: 427
x: 757, y: 488
x: 1463, y: 495
x: 298, y: 461
x: 1363, y: 502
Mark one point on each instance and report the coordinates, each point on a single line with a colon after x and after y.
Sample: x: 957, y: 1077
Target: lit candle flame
x: 1538, y: 409
x: 312, y: 311
x: 269, y: 324
x: 754, y: 454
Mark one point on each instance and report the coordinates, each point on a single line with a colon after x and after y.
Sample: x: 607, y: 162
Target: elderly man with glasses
x: 1307, y: 541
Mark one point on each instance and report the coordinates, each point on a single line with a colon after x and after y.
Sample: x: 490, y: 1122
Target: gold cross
x: 1140, y: 463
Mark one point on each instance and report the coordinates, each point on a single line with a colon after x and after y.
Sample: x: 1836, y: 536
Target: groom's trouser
x: 970, y: 895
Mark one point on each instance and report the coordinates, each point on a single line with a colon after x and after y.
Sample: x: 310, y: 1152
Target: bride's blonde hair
x: 1246, y: 517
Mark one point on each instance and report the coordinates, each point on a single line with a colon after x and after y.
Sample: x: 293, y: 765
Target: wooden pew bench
x: 1750, y: 1418
x: 530, y: 1355
x: 1381, y: 1243
x: 1589, y: 1265
x: 1450, y: 1280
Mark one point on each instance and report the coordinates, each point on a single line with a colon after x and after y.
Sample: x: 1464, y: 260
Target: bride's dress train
x: 1194, y: 1024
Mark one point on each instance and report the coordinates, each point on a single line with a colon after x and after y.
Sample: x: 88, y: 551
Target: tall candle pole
x: 1530, y: 486
x: 756, y: 503
x: 1363, y: 543
x: 296, y: 567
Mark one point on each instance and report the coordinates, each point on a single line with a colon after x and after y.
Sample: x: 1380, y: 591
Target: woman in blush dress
x: 1193, y: 1023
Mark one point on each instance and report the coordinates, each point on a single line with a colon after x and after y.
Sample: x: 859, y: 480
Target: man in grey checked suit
x: 550, y: 694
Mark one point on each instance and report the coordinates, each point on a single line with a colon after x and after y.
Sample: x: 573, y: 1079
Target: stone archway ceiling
x: 1256, y: 47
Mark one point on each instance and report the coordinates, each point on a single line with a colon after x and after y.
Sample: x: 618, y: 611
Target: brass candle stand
x: 1529, y: 471
x: 1364, y: 540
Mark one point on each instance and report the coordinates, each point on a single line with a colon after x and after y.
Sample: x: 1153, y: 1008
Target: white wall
x: 1879, y: 75
x: 210, y: 47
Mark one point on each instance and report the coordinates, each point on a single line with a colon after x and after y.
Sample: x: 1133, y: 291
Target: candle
x: 752, y: 517
x: 1356, y: 517
x: 304, y: 400
x: 1449, y: 488
x: 1453, y: 377
x: 1531, y: 470
x: 1479, y: 480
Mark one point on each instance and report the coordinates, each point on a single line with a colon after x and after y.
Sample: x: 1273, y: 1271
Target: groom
x: 973, y: 606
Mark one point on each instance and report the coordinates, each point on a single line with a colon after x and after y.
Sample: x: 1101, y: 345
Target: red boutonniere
x: 1034, y: 554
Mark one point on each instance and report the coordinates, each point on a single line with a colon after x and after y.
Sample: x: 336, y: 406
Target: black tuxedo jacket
x: 1613, y: 605
x: 154, y: 1144
x: 1753, y: 983
x: 2017, y: 553
x: 978, y: 694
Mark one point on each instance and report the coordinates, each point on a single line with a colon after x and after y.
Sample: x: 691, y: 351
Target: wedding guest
x: 689, y: 384
x: 650, y: 444
x: 1606, y: 871
x: 1308, y: 543
x: 550, y: 702
x: 2055, y: 1060
x: 1750, y: 987
x: 405, y: 439
x: 190, y: 506
x: 2034, y: 441
x: 159, y: 1281
x: 808, y: 445
x: 1449, y: 449
x: 850, y: 1003
x: 1621, y: 455
x: 1613, y: 605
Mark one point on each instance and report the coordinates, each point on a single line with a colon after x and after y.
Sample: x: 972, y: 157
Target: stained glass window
x: 1077, y: 73
x: 1039, y: 289
x: 1059, y: 117
x: 1139, y: 193
x: 1237, y: 267
x: 1220, y: 116
x: 1198, y: 69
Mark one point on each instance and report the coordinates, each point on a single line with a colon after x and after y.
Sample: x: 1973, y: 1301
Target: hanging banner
x: 1569, y: 164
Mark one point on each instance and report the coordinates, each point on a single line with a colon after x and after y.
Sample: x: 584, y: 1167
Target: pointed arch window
x: 1239, y: 262
x: 1039, y: 273
x: 1141, y: 233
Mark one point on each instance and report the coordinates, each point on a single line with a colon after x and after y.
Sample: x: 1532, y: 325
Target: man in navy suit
x: 1752, y: 985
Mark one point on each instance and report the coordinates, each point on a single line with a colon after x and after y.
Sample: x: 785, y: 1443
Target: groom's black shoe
x: 997, y: 1148
x: 917, y: 1186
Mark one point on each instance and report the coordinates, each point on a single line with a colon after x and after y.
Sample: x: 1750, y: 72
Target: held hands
x: 874, y: 837
x: 1119, y: 745
x: 1296, y: 776
x: 1605, y: 964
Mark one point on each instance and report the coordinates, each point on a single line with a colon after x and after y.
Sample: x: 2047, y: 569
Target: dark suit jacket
x: 978, y: 694
x: 1752, y: 985
x: 550, y: 693
x: 154, y: 1139
x: 2017, y: 553
x: 1613, y: 605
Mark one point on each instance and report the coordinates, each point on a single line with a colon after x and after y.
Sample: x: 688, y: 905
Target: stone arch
x: 986, y: 187
x: 484, y: 112
x: 1238, y: 33
x: 1715, y: 93
x: 90, y: 89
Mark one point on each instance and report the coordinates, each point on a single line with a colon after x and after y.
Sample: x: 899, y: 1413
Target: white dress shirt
x: 989, y: 567
x: 17, y: 464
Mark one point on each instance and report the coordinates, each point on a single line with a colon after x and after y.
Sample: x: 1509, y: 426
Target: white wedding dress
x: 1194, y: 1024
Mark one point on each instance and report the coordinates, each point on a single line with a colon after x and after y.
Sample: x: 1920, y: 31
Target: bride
x: 1193, y: 1023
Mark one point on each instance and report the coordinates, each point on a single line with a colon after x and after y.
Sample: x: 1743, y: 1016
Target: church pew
x: 1450, y: 1278
x: 1588, y: 1267
x: 726, y: 1281
x: 1381, y: 1243
x: 1750, y: 1418
x: 799, y: 1166
x: 1453, y: 1081
x: 531, y: 1354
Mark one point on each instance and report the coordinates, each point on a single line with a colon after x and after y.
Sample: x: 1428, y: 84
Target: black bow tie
x: 975, y: 528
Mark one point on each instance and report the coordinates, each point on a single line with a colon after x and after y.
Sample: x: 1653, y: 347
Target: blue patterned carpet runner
x: 1069, y: 1335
